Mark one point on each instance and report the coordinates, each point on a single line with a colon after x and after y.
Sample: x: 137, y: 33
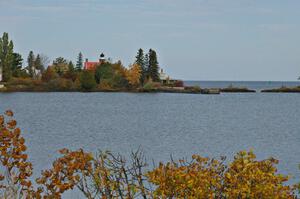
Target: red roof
x: 91, y: 65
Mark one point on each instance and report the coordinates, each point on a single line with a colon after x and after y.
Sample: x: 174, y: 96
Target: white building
x: 163, y: 76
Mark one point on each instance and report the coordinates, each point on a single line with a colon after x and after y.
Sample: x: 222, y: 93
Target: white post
x: 0, y: 74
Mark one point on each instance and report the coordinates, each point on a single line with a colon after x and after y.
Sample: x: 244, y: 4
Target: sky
x: 246, y: 40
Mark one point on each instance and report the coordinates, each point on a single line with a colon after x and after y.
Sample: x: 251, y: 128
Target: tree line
x: 62, y: 74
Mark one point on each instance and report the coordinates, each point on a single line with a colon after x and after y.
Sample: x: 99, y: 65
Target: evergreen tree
x: 140, y: 60
x: 17, y: 65
x: 71, y: 66
x: 153, y: 66
x: 146, y: 65
x: 79, y: 63
x: 38, y: 63
x: 6, y: 56
x: 31, y: 62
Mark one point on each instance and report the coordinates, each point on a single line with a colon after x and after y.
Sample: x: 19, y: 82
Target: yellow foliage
x: 245, y: 177
x: 133, y: 75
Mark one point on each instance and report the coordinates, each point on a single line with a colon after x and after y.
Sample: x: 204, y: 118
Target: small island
x: 283, y: 89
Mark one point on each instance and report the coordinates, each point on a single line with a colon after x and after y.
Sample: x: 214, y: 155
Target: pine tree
x: 6, y: 56
x: 31, y: 62
x: 140, y: 60
x: 79, y: 63
x: 146, y: 66
x: 71, y: 66
x: 38, y: 63
x: 17, y: 65
x: 153, y: 66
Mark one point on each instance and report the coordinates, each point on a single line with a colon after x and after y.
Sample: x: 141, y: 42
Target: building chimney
x: 86, y: 60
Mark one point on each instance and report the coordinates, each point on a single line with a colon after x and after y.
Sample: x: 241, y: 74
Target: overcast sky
x: 194, y: 39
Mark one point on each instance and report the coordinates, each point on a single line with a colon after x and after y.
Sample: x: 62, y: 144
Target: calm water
x: 162, y: 124
x: 256, y: 85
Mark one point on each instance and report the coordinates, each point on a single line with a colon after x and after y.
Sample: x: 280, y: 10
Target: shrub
x: 87, y: 80
x: 21, y: 81
x: 60, y: 84
x: 204, y: 178
x: 49, y: 74
x: 178, y: 83
x: 195, y: 89
x: 106, y: 85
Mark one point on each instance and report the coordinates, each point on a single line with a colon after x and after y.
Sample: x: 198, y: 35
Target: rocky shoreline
x: 183, y: 90
x: 282, y: 90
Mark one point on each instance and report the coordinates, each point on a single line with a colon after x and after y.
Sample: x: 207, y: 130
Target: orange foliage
x: 66, y: 173
x: 13, y: 159
x: 133, y: 75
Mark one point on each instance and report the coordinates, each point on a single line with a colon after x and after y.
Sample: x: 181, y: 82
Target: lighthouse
x: 102, y: 58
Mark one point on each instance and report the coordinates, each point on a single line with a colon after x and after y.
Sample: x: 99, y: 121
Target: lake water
x: 162, y: 124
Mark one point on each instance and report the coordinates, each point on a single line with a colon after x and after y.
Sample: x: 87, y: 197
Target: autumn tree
x: 60, y: 65
x: 203, y: 178
x: 49, y: 74
x: 71, y: 73
x: 6, y: 56
x: 133, y: 75
x: 16, y: 170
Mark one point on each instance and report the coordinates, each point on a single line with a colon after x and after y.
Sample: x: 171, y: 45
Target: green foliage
x: 87, y: 80
x: 104, y: 72
x: 6, y: 56
x: 60, y: 65
x: 153, y: 69
x: 71, y: 73
x: 140, y: 60
x: 38, y: 63
x: 149, y: 86
x: 17, y: 65
x: 79, y: 63
x: 30, y: 62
